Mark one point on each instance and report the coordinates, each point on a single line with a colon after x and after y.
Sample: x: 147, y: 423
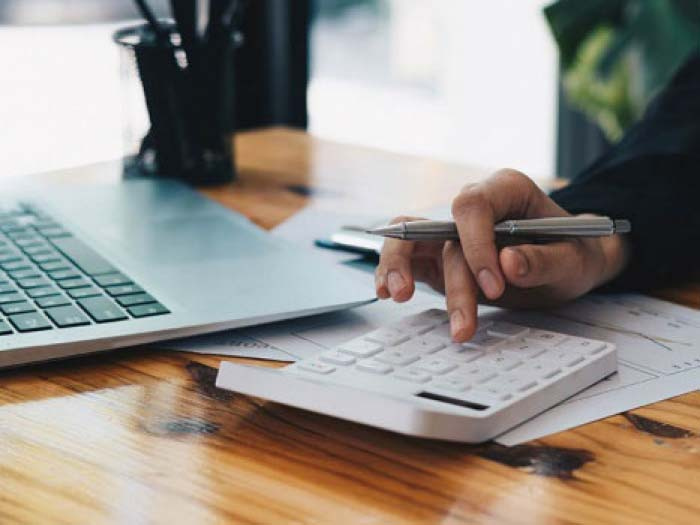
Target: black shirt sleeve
x: 652, y: 178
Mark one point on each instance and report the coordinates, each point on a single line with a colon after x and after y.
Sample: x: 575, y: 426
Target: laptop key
x: 146, y: 310
x: 21, y: 264
x: 17, y: 308
x: 125, y: 289
x: 45, y: 257
x: 38, y: 249
x: 9, y: 256
x: 8, y: 298
x: 136, y: 299
x: 87, y: 259
x: 37, y: 282
x: 5, y: 328
x: 7, y: 288
x: 52, y: 300
x: 102, y: 309
x: 54, y: 266
x: 66, y: 316
x: 27, y: 273
x: 28, y: 241
x: 112, y: 279
x: 45, y: 291
x: 79, y: 293
x: 30, y: 322
x: 53, y: 231
x: 73, y: 283
x: 61, y: 275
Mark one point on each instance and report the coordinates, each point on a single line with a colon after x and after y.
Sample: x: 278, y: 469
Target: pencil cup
x: 178, y: 121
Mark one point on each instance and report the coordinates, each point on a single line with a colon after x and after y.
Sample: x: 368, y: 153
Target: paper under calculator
x: 410, y: 377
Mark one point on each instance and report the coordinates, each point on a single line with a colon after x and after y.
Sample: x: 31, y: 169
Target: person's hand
x: 473, y: 269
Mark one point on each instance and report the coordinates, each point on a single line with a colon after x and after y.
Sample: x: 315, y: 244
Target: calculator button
x: 500, y: 360
x: 454, y: 384
x: 337, y: 358
x: 360, y: 348
x: 374, y: 367
x: 524, y: 349
x: 424, y: 321
x: 477, y: 373
x: 488, y: 396
x: 315, y: 366
x: 560, y: 357
x: 503, y: 329
x: 413, y: 375
x: 587, y: 346
x: 511, y: 383
x: 463, y: 354
x: 540, y: 369
x: 545, y: 338
x: 484, y: 341
x: 398, y: 356
x: 387, y: 336
x: 436, y: 365
x: 427, y: 344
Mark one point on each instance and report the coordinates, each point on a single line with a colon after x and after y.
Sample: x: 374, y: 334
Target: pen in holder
x: 178, y: 107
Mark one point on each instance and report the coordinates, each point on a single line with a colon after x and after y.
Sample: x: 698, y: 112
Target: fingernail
x: 521, y: 264
x: 489, y: 284
x: 396, y: 282
x: 457, y: 324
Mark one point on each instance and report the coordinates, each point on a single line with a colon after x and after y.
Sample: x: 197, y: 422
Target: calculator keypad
x: 503, y: 361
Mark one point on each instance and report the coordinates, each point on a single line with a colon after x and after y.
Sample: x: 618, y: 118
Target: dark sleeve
x: 652, y: 178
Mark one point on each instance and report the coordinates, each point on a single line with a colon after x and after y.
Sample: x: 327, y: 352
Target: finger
x: 507, y: 194
x: 530, y: 265
x: 460, y: 293
x: 394, y: 276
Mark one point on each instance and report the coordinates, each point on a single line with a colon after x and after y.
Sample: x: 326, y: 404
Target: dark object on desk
x: 188, y: 85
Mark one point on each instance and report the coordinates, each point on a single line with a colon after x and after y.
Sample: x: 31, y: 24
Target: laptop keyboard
x: 51, y: 279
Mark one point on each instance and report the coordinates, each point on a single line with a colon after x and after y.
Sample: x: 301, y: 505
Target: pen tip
x: 384, y: 230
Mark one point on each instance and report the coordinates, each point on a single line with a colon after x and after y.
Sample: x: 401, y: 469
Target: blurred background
x: 470, y: 81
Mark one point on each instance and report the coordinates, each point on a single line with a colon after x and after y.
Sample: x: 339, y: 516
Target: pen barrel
x: 558, y: 227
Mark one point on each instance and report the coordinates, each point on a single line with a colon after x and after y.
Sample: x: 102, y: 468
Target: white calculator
x: 410, y: 377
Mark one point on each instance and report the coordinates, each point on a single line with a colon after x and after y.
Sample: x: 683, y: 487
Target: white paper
x: 658, y: 345
x: 306, y: 337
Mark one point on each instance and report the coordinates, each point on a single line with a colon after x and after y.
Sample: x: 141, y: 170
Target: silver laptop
x: 91, y: 267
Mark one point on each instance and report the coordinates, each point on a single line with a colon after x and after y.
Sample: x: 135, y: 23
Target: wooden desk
x: 143, y: 436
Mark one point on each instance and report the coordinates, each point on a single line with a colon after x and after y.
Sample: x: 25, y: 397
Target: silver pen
x: 545, y: 228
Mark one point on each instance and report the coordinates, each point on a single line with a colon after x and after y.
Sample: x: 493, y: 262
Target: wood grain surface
x: 142, y: 435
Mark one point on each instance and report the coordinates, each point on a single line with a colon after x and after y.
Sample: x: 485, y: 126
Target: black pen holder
x: 179, y: 116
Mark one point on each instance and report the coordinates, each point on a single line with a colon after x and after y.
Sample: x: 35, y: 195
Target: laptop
x: 93, y: 267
